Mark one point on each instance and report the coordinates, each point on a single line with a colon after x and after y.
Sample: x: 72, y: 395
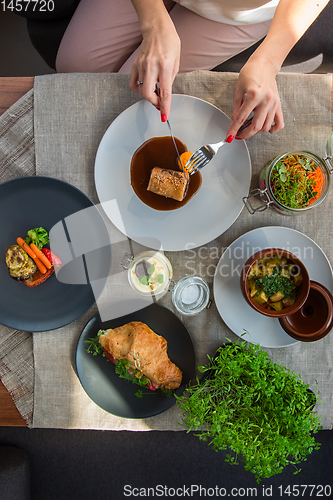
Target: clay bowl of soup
x: 160, y: 152
x: 275, y: 282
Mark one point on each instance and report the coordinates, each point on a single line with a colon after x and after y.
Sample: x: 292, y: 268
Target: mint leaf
x: 144, y: 280
x: 151, y: 269
x: 160, y: 278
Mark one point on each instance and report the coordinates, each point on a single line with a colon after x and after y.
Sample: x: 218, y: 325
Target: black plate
x: 29, y: 202
x: 117, y: 396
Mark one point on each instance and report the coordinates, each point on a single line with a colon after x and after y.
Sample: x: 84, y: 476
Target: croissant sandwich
x: 145, y: 351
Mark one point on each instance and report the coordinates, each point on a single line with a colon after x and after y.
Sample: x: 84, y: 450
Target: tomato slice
x: 110, y: 357
x: 152, y: 386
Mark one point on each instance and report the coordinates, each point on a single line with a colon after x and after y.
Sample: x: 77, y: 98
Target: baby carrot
x: 40, y: 265
x: 41, y: 256
x: 26, y: 247
x: 32, y: 254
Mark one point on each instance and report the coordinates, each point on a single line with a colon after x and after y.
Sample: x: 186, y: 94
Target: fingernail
x: 238, y: 138
x: 164, y: 117
x: 230, y: 138
x: 158, y: 109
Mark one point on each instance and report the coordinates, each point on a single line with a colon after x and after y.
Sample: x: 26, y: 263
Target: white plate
x: 224, y: 181
x: 233, y: 308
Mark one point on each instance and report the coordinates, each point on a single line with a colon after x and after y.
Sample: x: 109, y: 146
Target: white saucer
x: 233, y: 308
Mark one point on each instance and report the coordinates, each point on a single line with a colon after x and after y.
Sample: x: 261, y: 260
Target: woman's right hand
x: 256, y: 88
x: 157, y: 60
x: 256, y: 91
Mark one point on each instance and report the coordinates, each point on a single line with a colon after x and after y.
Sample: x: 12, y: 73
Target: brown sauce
x: 159, y: 152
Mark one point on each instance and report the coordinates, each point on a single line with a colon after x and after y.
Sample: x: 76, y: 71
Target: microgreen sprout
x: 258, y: 410
x: 292, y: 181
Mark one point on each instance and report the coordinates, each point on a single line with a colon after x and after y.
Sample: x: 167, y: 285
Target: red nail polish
x: 164, y: 117
x: 158, y: 109
x: 238, y: 138
x: 230, y: 138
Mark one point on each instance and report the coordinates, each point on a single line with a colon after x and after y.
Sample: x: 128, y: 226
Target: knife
x: 157, y: 91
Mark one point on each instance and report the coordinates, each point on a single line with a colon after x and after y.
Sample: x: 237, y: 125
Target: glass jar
x: 190, y: 295
x: 149, y: 273
x: 266, y: 194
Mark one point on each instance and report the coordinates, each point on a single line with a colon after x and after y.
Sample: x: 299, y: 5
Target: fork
x: 206, y: 153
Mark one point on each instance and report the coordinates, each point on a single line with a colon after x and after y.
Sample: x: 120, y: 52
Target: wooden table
x: 11, y: 89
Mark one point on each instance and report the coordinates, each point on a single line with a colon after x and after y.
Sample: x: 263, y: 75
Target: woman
x: 154, y: 39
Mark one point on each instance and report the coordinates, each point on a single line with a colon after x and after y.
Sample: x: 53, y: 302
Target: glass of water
x: 190, y: 295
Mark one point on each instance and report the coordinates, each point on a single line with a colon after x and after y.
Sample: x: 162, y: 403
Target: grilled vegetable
x: 16, y: 257
x: 20, y: 265
x: 25, y: 272
x: 38, y: 278
x: 25, y: 247
x: 40, y: 265
x: 31, y: 264
x: 41, y: 256
x: 52, y: 258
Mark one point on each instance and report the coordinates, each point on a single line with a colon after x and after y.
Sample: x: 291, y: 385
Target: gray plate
x: 117, y: 396
x: 30, y: 202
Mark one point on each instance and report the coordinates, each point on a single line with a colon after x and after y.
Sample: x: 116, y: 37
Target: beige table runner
x: 71, y: 114
x: 77, y: 109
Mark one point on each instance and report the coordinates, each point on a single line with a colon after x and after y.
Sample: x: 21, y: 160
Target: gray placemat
x: 72, y: 113
x: 17, y: 159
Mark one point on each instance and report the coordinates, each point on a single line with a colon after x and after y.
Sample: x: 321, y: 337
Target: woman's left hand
x: 256, y: 91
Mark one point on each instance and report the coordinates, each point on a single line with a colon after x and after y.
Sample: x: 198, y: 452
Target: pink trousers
x: 103, y: 36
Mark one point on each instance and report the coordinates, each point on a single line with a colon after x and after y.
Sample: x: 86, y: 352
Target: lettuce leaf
x: 39, y: 236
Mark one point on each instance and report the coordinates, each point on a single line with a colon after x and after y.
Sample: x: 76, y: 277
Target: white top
x: 234, y: 12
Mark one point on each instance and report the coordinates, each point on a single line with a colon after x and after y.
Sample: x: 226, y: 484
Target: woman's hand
x: 157, y: 61
x: 256, y: 91
x: 256, y: 88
